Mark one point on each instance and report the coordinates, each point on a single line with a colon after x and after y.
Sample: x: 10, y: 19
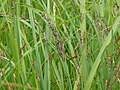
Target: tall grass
x: 59, y: 44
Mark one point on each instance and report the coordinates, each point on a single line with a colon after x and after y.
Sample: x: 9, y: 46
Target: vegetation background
x: 59, y: 44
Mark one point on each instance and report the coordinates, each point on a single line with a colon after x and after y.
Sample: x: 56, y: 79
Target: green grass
x: 59, y: 45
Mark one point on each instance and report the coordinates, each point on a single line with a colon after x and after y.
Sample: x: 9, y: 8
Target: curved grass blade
x: 98, y: 58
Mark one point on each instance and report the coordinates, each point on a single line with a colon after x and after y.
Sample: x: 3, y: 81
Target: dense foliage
x: 60, y: 44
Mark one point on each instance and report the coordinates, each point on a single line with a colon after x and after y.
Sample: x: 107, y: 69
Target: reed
x: 59, y: 44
